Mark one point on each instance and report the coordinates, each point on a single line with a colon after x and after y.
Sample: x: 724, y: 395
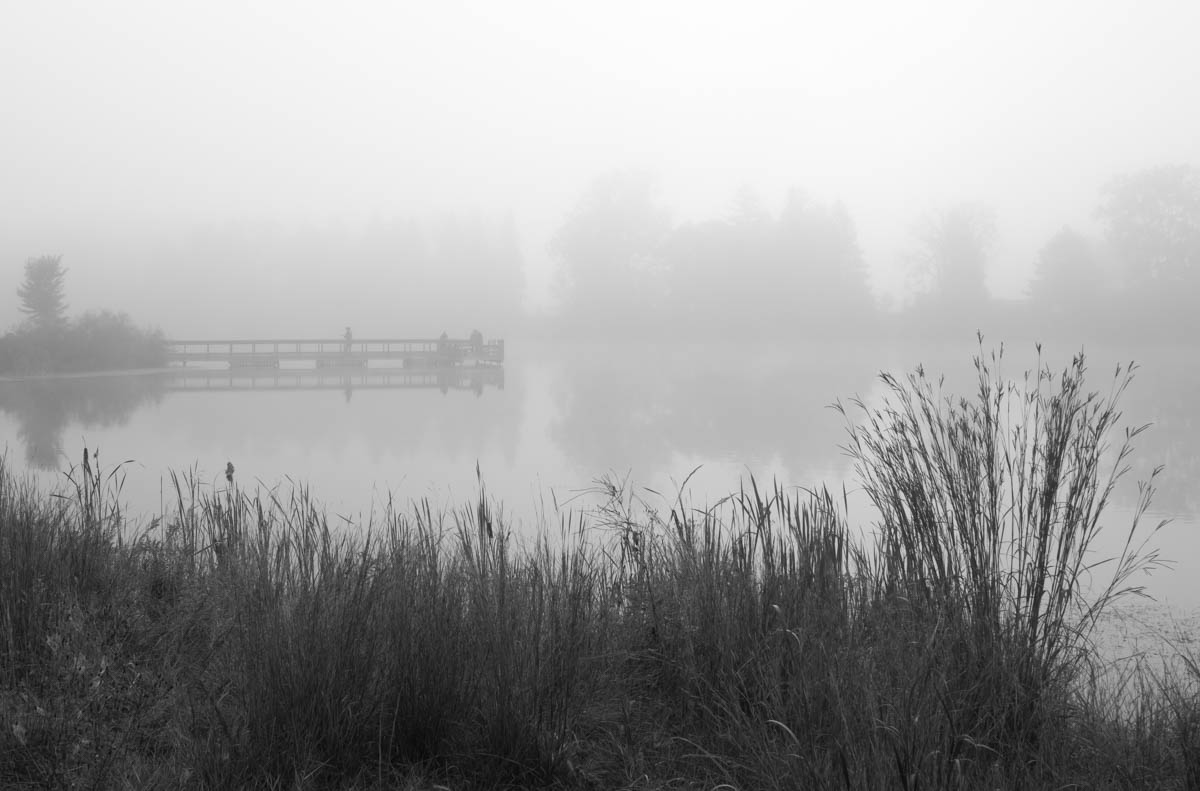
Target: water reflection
x: 558, y: 417
x: 473, y: 378
x: 565, y: 414
x: 648, y: 407
x: 42, y: 409
x: 1166, y: 394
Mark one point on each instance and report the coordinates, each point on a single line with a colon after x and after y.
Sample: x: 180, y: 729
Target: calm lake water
x: 559, y: 417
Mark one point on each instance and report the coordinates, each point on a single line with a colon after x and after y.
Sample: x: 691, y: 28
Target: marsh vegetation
x: 248, y: 639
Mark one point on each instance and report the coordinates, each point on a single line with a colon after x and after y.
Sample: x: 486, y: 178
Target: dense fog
x: 289, y: 169
x: 532, y: 394
x: 761, y: 182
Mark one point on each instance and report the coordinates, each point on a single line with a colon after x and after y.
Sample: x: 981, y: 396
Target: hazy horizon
x: 134, y: 125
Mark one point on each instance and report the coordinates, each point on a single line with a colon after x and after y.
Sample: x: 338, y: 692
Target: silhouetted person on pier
x: 476, y: 342
x: 349, y: 337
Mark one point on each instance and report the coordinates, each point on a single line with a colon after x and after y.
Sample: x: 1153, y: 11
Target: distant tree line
x: 46, y: 341
x: 624, y: 268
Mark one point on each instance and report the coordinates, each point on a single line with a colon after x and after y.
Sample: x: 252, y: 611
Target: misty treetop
x: 41, y: 292
x: 1141, y: 277
x: 954, y: 246
x: 751, y: 271
x: 625, y: 269
x: 1070, y: 281
x: 1152, y: 219
x: 608, y: 250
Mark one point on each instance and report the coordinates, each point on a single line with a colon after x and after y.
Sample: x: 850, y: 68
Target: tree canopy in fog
x: 1153, y: 220
x: 952, y: 253
x: 41, y: 292
x: 1068, y: 284
x: 607, y: 251
x: 624, y: 266
x: 754, y: 272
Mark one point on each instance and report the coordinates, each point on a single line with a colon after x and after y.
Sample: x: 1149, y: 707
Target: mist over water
x: 696, y: 227
x: 563, y: 417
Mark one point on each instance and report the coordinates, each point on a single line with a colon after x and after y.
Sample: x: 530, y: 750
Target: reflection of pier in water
x: 339, y: 353
x: 473, y: 378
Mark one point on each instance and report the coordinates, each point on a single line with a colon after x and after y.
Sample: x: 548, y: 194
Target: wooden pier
x: 340, y: 353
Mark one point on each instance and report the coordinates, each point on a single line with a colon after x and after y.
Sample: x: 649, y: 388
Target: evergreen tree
x: 41, y: 292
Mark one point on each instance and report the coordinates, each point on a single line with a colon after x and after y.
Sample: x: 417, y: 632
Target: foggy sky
x: 127, y: 122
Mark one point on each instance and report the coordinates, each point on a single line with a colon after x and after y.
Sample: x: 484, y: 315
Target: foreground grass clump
x: 988, y: 510
x: 247, y: 642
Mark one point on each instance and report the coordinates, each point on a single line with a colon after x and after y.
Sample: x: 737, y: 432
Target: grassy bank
x: 248, y: 642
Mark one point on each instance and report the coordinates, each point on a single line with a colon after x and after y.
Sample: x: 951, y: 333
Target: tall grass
x: 629, y: 642
x: 48, y: 546
x: 989, y: 508
x: 421, y: 638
